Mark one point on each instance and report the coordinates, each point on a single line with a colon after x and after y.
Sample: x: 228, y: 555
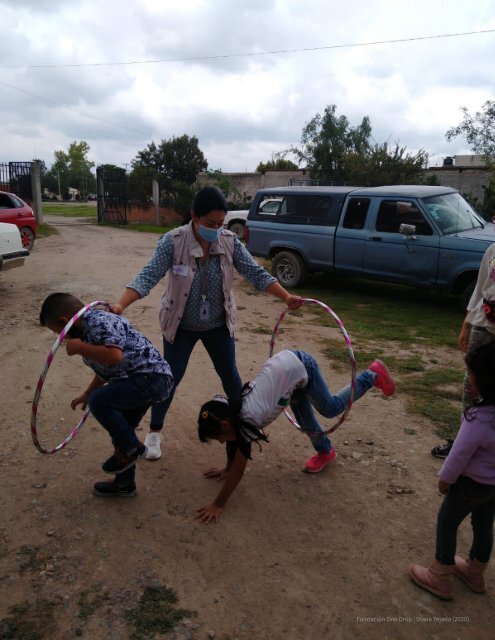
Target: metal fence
x: 117, y: 191
x: 15, y: 177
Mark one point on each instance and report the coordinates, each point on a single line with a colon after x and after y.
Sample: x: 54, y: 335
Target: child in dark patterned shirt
x: 130, y: 376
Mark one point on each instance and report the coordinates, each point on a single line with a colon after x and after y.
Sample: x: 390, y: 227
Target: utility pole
x: 36, y: 190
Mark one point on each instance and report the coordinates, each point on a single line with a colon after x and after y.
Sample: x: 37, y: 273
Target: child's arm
x: 221, y: 474
x: 82, y: 400
x: 98, y: 353
x: 214, y: 510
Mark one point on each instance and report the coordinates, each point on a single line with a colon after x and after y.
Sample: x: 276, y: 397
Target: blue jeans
x: 466, y: 497
x: 316, y: 394
x: 120, y: 406
x: 220, y: 346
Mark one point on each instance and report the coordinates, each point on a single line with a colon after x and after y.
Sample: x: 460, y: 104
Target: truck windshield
x: 453, y: 213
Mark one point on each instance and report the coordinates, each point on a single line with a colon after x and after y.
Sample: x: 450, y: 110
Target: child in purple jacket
x: 467, y: 478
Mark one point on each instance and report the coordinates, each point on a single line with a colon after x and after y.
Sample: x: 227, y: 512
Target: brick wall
x: 147, y: 215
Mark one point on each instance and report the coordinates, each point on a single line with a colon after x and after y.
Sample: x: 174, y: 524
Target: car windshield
x: 453, y: 213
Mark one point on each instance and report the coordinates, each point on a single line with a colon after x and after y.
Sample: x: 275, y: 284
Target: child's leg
x: 455, y: 507
x: 324, y: 402
x: 127, y: 477
x: 304, y: 414
x: 119, y: 407
x: 482, y: 519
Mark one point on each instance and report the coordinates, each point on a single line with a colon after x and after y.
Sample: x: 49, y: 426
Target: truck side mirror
x: 407, y: 229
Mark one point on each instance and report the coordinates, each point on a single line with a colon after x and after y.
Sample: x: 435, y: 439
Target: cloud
x: 243, y: 108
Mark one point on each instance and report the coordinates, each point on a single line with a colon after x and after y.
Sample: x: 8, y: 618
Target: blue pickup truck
x: 424, y: 236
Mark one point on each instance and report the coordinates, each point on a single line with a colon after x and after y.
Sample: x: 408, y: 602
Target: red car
x: 16, y: 211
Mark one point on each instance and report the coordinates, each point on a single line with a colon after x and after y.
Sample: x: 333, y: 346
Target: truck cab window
x: 392, y: 214
x: 355, y: 216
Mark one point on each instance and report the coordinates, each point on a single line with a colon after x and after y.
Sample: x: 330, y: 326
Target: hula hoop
x: 41, y: 380
x: 352, y: 361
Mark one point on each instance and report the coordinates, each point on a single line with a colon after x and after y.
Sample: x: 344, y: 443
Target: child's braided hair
x: 218, y: 409
x: 481, y: 362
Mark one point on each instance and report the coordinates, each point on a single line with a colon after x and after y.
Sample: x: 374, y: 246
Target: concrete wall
x: 247, y: 184
x: 469, y: 181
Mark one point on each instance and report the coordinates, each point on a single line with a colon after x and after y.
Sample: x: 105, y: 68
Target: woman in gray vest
x: 198, y: 302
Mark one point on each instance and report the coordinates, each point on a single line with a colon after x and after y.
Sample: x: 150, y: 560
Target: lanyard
x: 203, y: 275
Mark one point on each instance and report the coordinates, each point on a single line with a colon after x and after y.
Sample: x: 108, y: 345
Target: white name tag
x: 180, y: 269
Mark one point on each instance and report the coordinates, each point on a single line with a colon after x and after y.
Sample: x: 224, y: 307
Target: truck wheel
x: 289, y: 269
x: 466, y: 295
x: 238, y: 229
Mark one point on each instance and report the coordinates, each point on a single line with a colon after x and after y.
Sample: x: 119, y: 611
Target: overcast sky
x: 244, y: 76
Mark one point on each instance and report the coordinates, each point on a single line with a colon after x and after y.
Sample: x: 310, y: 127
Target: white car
x: 235, y: 221
x: 12, y: 253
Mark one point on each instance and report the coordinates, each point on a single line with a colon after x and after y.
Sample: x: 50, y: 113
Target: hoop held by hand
x: 41, y: 380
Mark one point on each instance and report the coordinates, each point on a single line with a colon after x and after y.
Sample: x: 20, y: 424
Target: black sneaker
x: 120, y: 462
x: 113, y: 490
x: 442, y: 450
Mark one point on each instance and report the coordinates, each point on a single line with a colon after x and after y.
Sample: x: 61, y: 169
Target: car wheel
x: 27, y: 237
x: 289, y: 269
x: 238, y: 229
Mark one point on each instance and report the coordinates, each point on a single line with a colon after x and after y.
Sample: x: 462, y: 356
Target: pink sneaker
x: 383, y: 378
x: 319, y: 461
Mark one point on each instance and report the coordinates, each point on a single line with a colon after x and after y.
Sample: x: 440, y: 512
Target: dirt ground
x: 294, y: 556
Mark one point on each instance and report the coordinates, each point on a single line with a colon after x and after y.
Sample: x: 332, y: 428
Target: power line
x: 252, y: 53
x: 80, y: 113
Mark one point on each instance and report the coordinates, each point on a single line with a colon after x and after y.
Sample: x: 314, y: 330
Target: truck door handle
x: 376, y: 238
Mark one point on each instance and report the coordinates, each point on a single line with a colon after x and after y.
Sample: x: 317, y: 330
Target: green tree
x: 217, y: 178
x: 383, y: 164
x: 278, y: 163
x: 172, y: 161
x: 71, y: 169
x: 327, y: 139
x: 479, y: 130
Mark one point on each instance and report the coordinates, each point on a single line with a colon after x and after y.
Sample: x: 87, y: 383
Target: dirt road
x: 294, y: 557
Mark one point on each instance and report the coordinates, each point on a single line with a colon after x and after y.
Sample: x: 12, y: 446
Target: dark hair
x: 481, y: 362
x: 209, y: 199
x: 58, y: 304
x: 214, y: 411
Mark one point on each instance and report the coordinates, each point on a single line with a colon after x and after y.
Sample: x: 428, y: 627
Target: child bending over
x: 288, y: 378
x: 130, y: 376
x: 467, y: 479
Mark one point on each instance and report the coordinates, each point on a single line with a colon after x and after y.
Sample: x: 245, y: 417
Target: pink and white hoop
x: 41, y: 380
x: 352, y: 360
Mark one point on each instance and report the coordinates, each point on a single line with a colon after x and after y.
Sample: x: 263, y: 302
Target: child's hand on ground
x: 209, y: 513
x: 73, y: 346
x: 443, y: 487
x: 214, y: 472
x: 80, y: 400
